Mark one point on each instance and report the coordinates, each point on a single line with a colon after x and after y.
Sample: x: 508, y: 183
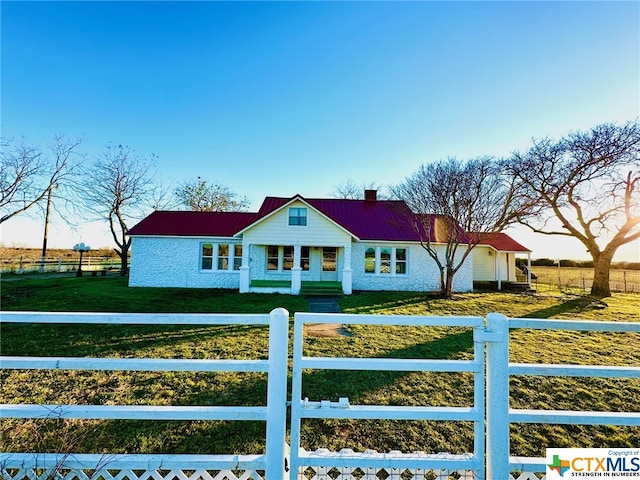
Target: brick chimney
x: 370, y: 195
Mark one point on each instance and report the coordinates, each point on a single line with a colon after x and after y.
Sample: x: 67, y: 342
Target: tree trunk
x: 124, y: 268
x: 447, y: 291
x: 443, y: 283
x: 602, y: 265
x: 123, y: 253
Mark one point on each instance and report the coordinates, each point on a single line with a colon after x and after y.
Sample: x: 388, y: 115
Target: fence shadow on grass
x: 573, y: 306
x: 122, y: 340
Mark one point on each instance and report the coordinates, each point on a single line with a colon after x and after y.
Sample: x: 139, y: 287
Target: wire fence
x: 572, y: 279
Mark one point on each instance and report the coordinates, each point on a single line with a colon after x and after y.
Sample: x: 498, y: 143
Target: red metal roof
x: 367, y: 220
x: 196, y: 224
x: 387, y: 220
x: 501, y: 242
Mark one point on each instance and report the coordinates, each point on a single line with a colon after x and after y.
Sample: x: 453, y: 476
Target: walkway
x: 325, y: 305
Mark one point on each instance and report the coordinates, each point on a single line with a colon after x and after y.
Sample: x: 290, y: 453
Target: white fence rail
x: 271, y: 464
x: 392, y: 463
x: 500, y: 416
x: 491, y: 417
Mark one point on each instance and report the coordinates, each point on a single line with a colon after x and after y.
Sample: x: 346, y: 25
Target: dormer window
x: 298, y: 216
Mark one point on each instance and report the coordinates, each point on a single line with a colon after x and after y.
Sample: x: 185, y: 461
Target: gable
x: 382, y: 220
x: 275, y: 228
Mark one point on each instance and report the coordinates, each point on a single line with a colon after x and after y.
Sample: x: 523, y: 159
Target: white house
x: 291, y: 245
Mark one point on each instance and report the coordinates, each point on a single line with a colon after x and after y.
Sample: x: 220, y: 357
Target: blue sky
x: 278, y: 98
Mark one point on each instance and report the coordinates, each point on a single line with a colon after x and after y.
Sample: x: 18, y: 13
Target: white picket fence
x: 490, y: 367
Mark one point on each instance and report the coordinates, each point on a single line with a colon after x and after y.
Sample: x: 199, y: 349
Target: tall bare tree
x: 589, y: 184
x: 28, y: 175
x: 454, y: 204
x: 203, y: 196
x: 119, y: 188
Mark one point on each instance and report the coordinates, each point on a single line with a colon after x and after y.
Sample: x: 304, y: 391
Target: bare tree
x: 455, y: 204
x: 119, y: 187
x: 351, y: 190
x: 201, y: 196
x: 589, y: 183
x: 29, y: 175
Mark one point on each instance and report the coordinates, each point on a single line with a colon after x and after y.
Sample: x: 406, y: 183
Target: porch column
x: 498, y: 276
x: 347, y: 272
x: 245, y: 280
x: 529, y: 268
x: 296, y: 270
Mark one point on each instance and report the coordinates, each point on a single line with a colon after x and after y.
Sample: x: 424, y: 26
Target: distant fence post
x: 277, y: 395
x: 497, y: 410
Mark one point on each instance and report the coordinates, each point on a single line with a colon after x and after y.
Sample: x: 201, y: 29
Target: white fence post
x: 277, y: 395
x: 497, y: 408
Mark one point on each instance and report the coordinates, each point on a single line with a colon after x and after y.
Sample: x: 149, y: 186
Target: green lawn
x: 111, y: 294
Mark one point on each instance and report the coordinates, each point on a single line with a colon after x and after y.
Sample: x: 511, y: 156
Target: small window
x: 298, y: 216
x: 237, y: 257
x: 304, y: 258
x: 272, y: 257
x: 223, y: 256
x: 401, y: 261
x: 207, y: 256
x: 385, y: 260
x: 287, y: 258
x: 370, y: 260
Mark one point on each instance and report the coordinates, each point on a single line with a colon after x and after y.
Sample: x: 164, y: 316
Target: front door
x: 329, y: 264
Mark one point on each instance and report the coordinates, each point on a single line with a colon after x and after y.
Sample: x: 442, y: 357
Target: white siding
x: 175, y: 262
x: 275, y: 230
x: 484, y: 263
x: 422, y: 271
x: 508, y: 266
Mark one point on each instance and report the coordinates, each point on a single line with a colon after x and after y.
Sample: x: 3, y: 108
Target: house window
x: 385, y: 260
x: 401, y: 261
x: 370, y: 260
x: 220, y: 256
x: 304, y: 258
x: 207, y: 256
x: 287, y: 258
x: 223, y: 256
x: 279, y: 258
x: 237, y: 257
x: 272, y: 257
x: 298, y: 216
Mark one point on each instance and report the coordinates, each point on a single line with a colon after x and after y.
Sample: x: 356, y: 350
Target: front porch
x: 308, y: 288
x: 296, y: 269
